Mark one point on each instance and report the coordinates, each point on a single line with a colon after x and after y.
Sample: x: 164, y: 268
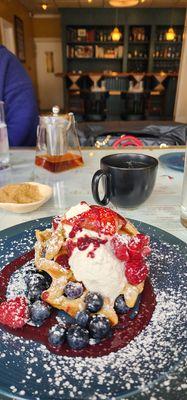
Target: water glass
x: 183, y: 209
x: 4, y: 144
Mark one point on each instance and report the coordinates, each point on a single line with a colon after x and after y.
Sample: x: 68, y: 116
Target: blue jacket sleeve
x: 21, y: 109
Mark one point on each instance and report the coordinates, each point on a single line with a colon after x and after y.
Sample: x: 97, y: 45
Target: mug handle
x: 95, y: 187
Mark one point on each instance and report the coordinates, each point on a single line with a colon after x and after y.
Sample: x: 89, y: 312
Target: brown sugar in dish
x: 20, y: 193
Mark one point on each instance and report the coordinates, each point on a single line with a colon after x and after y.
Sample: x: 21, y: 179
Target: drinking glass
x: 4, y: 145
x: 183, y: 209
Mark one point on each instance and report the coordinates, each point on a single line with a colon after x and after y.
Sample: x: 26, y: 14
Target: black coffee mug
x: 128, y: 179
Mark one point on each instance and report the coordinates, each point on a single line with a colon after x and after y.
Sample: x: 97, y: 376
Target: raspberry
x: 139, y: 245
x: 136, y: 271
x: 120, y: 249
x: 56, y: 221
x: 14, y: 312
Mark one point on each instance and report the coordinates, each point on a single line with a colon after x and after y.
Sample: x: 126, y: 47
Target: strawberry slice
x: 14, y: 312
x: 136, y: 271
x: 99, y: 219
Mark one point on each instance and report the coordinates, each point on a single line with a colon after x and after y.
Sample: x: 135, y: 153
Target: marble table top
x: 162, y: 209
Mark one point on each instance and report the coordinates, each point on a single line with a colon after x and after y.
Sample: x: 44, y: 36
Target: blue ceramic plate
x: 150, y: 365
x: 173, y: 160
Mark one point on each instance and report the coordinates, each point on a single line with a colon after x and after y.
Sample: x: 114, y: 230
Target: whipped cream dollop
x: 103, y: 273
x: 77, y: 210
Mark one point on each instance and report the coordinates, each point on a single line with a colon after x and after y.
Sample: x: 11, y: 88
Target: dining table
x: 160, y: 211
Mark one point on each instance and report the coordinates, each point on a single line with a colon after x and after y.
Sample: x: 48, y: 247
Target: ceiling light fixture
x: 125, y: 3
x: 170, y: 34
x: 44, y: 6
x: 89, y: 1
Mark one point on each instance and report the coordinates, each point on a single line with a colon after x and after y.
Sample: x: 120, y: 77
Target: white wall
x: 180, y: 112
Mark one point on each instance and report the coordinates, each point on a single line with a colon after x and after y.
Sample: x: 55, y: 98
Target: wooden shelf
x: 167, y: 42
x: 138, y: 42
x: 95, y: 42
x: 166, y: 59
x: 95, y: 58
x: 138, y: 59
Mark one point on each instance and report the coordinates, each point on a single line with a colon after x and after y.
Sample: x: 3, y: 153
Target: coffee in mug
x: 128, y: 179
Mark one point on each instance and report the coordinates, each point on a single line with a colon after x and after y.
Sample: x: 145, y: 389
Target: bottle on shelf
x: 160, y: 37
x: 169, y: 52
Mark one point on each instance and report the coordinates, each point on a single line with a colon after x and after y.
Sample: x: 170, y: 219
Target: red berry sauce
x: 123, y: 333
x: 84, y: 242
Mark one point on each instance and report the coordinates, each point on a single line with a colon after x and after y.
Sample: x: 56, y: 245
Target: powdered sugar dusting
x: 151, y: 356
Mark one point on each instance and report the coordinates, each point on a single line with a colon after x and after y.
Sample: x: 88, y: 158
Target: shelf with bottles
x: 95, y: 35
x: 138, y: 48
x: 160, y: 34
x: 94, y: 52
x: 169, y: 52
x: 139, y: 34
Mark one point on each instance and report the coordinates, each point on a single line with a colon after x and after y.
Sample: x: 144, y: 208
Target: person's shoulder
x: 8, y: 57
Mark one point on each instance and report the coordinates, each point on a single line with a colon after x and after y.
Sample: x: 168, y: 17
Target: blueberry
x: 120, y: 305
x: 73, y: 290
x: 64, y: 318
x: 29, y: 274
x: 47, y: 277
x: 37, y: 280
x: 94, y: 302
x: 99, y: 327
x: 82, y: 318
x: 56, y: 335
x: 135, y: 310
x: 39, y: 311
x: 36, y: 284
x: 77, y: 337
x: 93, y: 342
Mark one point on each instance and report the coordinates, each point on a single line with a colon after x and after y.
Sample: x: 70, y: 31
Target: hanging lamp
x: 170, y: 34
x: 116, y: 34
x: 44, y: 6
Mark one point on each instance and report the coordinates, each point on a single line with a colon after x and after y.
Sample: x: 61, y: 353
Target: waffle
x: 49, y: 246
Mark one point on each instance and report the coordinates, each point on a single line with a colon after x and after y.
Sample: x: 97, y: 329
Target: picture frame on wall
x: 19, y: 38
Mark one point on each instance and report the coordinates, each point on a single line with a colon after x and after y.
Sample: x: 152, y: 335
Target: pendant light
x: 44, y: 6
x: 170, y: 34
x: 116, y: 34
